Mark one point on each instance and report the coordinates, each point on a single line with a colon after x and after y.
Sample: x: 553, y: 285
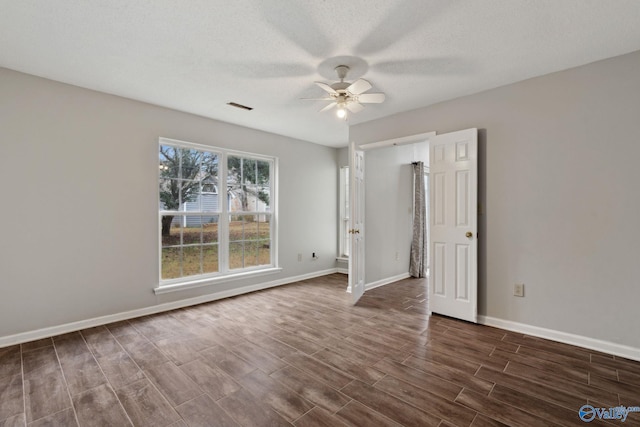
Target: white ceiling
x: 197, y: 55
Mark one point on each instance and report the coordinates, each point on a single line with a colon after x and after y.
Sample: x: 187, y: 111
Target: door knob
x: 469, y: 234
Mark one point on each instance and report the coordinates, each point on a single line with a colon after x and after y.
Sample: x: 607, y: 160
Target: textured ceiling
x: 197, y: 55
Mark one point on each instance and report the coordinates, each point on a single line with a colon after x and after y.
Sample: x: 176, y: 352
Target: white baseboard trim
x: 342, y: 270
x: 564, y: 337
x: 382, y: 282
x: 378, y: 283
x: 103, y: 320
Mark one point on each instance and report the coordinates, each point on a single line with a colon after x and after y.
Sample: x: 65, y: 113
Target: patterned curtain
x: 418, y: 254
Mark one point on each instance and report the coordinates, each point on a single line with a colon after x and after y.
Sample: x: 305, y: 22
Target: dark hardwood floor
x: 302, y: 355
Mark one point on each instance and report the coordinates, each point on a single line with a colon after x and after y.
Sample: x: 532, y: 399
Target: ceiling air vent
x: 244, y: 107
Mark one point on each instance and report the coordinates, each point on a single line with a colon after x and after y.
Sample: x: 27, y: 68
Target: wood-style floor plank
x: 202, y: 411
x: 429, y: 402
x: 100, y: 407
x: 356, y: 414
x: 10, y: 361
x: 66, y: 418
x: 390, y: 406
x: 11, y: 397
x: 248, y: 412
x: 145, y: 405
x: 500, y: 412
x: 318, y: 417
x: 286, y: 402
x: 311, y: 389
x: 303, y: 355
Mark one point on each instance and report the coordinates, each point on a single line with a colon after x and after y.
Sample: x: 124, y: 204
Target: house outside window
x: 206, y: 232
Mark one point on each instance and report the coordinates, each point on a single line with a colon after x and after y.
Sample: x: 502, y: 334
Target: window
x: 344, y: 212
x: 204, y: 232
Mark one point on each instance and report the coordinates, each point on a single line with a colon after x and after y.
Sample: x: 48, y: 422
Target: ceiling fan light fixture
x: 347, y: 96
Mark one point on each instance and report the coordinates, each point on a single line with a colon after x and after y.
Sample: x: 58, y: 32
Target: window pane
x: 346, y: 192
x: 171, y: 263
x: 248, y: 171
x: 209, y: 198
x: 169, y: 162
x: 250, y: 227
x: 189, y: 195
x: 191, y: 260
x: 171, y: 231
x: 234, y: 177
x: 210, y: 259
x: 192, y: 231
x: 169, y: 194
x: 249, y: 184
x: 264, y: 252
x: 236, y: 228
x: 236, y: 255
x: 190, y: 163
x: 251, y: 254
x: 251, y: 203
x: 185, y: 175
x: 210, y: 229
x: 264, y: 226
x: 264, y: 185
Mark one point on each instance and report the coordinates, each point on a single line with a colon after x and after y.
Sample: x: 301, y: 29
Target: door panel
x: 454, y: 247
x: 356, y: 222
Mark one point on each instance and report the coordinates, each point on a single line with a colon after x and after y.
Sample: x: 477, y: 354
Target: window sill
x: 191, y: 284
x: 342, y: 258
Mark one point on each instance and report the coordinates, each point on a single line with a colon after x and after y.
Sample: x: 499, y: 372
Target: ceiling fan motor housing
x: 340, y: 86
x: 342, y: 71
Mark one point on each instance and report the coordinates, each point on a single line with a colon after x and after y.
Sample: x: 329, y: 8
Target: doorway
x: 389, y: 205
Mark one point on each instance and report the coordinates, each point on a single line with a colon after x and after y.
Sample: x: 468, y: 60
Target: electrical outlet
x: 314, y: 257
x: 299, y: 257
x: 518, y: 290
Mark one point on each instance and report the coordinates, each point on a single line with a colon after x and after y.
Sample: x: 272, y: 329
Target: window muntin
x: 202, y: 233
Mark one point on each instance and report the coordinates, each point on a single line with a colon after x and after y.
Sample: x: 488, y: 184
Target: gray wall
x: 559, y: 187
x: 79, y: 236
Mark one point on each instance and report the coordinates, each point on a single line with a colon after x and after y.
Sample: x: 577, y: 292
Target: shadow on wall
x: 482, y: 221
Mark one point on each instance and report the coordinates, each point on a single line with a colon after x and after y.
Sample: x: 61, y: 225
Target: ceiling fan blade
x: 326, y: 88
x: 328, y: 98
x: 371, y: 98
x: 328, y: 107
x: 355, y: 107
x: 359, y: 86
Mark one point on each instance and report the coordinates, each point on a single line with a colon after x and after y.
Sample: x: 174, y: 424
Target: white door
x: 453, y: 176
x: 356, y: 222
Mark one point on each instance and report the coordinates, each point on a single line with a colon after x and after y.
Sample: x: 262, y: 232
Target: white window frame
x: 343, y: 231
x: 224, y: 273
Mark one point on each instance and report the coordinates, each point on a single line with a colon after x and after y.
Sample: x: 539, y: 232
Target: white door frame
x: 411, y: 139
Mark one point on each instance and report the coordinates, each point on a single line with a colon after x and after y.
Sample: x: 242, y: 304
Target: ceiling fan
x: 348, y: 96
